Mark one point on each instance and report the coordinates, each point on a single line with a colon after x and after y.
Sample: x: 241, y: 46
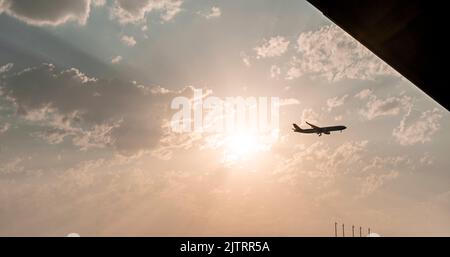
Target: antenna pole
x: 335, y: 229
x: 343, y: 230
x: 353, y: 230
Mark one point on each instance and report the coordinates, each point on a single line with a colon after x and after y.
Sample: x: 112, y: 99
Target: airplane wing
x: 313, y: 126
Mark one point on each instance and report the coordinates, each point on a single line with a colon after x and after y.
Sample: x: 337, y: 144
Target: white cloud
x: 98, y: 2
x: 171, y: 8
x: 128, y: 40
x: 374, y: 181
x: 331, y: 53
x: 6, y: 68
x: 293, y: 73
x: 58, y: 126
x: 427, y: 159
x: 363, y: 94
x: 323, y: 162
x: 215, y: 12
x: 345, y: 156
x: 311, y: 116
x: 275, y: 46
x: 4, y: 128
x: 289, y: 101
x: 413, y: 129
x: 48, y: 12
x: 126, y: 11
x: 171, y: 142
x: 336, y: 102
x: 12, y: 166
x: 390, y: 106
x: 347, y: 165
x: 385, y: 163
x: 245, y: 59
x: 116, y: 59
x: 275, y: 71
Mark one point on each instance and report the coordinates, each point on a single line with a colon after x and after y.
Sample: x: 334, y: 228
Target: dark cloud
x: 47, y: 12
x: 92, y: 112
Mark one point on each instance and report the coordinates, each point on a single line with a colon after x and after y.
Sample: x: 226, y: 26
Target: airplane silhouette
x: 317, y: 130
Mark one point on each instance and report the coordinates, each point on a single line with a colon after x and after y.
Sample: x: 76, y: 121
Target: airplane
x: 317, y: 130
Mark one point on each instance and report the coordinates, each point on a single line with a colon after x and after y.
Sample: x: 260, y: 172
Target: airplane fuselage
x: 318, y: 130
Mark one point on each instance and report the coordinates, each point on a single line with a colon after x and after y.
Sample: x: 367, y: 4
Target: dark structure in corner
x: 409, y: 35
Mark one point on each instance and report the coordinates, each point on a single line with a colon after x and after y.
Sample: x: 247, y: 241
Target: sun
x: 245, y: 145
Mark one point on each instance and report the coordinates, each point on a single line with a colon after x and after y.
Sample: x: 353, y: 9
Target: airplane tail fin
x: 296, y: 127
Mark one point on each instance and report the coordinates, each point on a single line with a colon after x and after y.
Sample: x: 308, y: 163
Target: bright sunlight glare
x: 244, y: 145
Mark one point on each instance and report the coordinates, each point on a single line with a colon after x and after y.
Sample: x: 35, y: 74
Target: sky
x: 87, y: 147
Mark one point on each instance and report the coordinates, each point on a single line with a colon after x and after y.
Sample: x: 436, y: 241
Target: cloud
x: 275, y: 71
x: 293, y: 73
x: 275, y: 46
x: 215, y: 12
x: 48, y: 12
x: 12, y: 166
x: 171, y: 142
x: 390, y: 106
x: 336, y: 102
x: 245, y: 59
x: 90, y: 112
x: 5, y: 68
x: 338, y: 118
x: 385, y: 163
x: 320, y: 161
x: 58, y: 128
x: 345, y: 156
x: 128, y: 40
x: 348, y: 166
x: 374, y: 181
x: 331, y: 53
x: 98, y: 2
x: 4, y: 128
x: 116, y: 59
x: 363, y: 94
x: 310, y: 115
x: 57, y: 12
x: 289, y: 101
x: 381, y: 170
x: 135, y: 11
x: 427, y: 159
x: 415, y: 129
